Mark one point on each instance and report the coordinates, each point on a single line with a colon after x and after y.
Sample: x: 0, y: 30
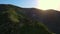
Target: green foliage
x: 34, y: 29
x: 13, y: 15
x: 10, y: 18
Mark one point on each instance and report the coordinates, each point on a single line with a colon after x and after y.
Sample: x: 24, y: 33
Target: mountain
x: 17, y: 20
x: 51, y: 18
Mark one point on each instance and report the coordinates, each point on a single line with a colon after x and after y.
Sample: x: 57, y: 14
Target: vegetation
x: 12, y: 22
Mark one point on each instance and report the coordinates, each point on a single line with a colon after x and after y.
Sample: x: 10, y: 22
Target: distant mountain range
x: 17, y: 20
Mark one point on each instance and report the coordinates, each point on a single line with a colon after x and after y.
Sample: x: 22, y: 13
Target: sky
x: 49, y: 4
x: 41, y: 4
x: 21, y: 3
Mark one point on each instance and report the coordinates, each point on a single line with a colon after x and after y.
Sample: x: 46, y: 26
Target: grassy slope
x: 13, y: 22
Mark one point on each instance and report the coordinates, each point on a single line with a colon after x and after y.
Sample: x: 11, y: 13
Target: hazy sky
x: 41, y: 4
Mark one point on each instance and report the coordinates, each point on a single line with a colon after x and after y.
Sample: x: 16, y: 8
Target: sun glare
x: 48, y: 4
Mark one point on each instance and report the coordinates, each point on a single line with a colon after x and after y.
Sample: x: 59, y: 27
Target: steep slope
x: 51, y: 18
x: 14, y: 20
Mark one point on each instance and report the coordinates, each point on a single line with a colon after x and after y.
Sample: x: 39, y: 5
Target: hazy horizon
x: 40, y: 4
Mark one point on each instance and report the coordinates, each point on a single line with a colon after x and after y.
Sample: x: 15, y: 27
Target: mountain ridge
x: 15, y: 20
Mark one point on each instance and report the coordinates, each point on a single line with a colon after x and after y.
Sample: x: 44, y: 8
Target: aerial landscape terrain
x: 18, y: 20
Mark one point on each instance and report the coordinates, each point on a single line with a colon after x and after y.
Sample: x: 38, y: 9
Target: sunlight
x: 48, y: 4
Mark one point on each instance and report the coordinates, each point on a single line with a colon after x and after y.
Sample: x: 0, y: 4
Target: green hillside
x: 13, y: 20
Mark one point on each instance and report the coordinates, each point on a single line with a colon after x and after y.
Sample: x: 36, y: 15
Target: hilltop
x: 17, y: 20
